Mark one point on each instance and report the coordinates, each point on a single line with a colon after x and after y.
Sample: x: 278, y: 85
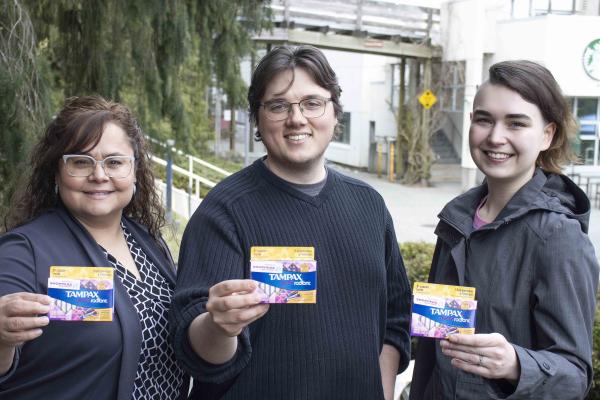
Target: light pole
x: 217, y: 122
x: 170, y: 144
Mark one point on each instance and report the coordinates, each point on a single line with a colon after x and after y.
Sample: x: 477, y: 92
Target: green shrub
x: 594, y: 393
x: 417, y: 260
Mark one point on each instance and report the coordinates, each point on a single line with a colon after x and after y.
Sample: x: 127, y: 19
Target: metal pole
x: 217, y: 122
x: 246, y: 140
x: 170, y: 144
x: 379, y: 157
x: 190, y: 172
x: 391, y: 176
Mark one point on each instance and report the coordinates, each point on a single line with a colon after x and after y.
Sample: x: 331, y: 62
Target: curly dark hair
x: 78, y: 128
x: 286, y: 58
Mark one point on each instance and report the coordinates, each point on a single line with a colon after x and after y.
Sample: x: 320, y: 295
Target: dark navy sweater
x: 329, y: 350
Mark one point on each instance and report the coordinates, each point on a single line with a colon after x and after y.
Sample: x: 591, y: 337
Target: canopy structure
x: 384, y: 27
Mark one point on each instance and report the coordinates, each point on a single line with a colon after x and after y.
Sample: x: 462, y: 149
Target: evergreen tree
x: 24, y: 100
x: 225, y: 29
x: 157, y: 56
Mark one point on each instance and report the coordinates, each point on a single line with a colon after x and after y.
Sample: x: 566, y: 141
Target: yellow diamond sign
x: 427, y: 99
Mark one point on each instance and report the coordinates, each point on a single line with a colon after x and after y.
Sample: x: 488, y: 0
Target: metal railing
x: 195, y: 180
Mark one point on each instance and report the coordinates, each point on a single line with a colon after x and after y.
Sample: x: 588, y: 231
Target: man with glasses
x: 354, y: 340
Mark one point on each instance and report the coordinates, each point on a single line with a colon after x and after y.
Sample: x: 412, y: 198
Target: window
x: 587, y: 109
x: 343, y: 134
x: 452, y: 91
x: 396, y: 79
x: 532, y: 8
x: 587, y: 112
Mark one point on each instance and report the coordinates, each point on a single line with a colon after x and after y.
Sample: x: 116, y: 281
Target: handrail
x: 197, y: 179
x: 192, y: 158
x: 209, y: 165
x: 182, y: 171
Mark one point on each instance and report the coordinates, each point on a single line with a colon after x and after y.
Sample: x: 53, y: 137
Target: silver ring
x: 480, y: 360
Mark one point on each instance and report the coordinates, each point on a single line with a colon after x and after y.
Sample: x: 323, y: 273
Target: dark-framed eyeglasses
x: 80, y: 165
x: 312, y: 107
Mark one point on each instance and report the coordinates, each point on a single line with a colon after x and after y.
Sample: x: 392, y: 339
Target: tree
x: 414, y: 124
x: 225, y: 29
x: 114, y: 48
x: 24, y: 100
x: 157, y: 56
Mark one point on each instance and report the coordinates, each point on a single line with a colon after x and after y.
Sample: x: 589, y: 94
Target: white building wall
x: 348, y: 68
x: 556, y: 41
x: 482, y: 32
x: 365, y: 84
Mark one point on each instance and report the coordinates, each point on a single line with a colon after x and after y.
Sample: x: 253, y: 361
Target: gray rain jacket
x: 536, y: 277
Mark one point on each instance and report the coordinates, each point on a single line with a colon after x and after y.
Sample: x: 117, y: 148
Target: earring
x: 56, y: 188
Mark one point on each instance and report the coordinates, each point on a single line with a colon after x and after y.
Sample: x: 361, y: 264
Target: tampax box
x: 81, y: 293
x: 285, y: 274
x: 441, y: 310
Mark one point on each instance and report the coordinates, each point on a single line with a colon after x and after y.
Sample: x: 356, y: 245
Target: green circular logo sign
x: 591, y: 59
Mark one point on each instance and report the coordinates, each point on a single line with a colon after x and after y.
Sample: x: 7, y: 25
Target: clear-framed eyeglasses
x: 312, y: 107
x: 79, y: 165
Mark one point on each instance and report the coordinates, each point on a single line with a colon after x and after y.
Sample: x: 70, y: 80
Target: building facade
x: 564, y: 36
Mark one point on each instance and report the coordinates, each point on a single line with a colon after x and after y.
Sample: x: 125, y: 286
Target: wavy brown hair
x: 78, y: 128
x: 286, y: 58
x: 536, y: 85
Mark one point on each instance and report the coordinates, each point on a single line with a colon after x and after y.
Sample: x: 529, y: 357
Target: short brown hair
x: 536, y: 84
x: 77, y: 128
x: 286, y: 58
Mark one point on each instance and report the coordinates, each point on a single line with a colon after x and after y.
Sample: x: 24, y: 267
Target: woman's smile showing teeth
x: 97, y: 194
x: 497, y: 156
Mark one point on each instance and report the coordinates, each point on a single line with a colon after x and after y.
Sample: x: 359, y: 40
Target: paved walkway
x: 414, y: 209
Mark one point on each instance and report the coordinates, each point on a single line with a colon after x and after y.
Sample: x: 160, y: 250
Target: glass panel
x: 586, y: 151
x: 587, y: 109
x: 343, y: 136
x: 540, y: 7
x: 520, y: 8
x: 576, y: 145
x: 588, y: 129
x: 459, y: 100
x: 562, y: 6
x: 446, y: 99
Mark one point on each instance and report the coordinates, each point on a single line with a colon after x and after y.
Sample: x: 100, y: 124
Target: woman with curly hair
x: 90, y: 201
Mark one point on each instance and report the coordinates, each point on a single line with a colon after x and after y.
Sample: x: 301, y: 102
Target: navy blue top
x: 328, y: 350
x: 73, y: 360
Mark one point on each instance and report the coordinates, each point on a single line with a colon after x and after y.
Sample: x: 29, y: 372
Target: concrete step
x: 446, y: 173
x: 443, y: 149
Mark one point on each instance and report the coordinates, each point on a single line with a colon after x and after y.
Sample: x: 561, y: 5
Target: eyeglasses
x: 83, y: 166
x: 278, y: 110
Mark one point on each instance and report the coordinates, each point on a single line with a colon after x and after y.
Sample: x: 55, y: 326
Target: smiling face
x: 98, y: 199
x: 506, y: 135
x: 296, y: 145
